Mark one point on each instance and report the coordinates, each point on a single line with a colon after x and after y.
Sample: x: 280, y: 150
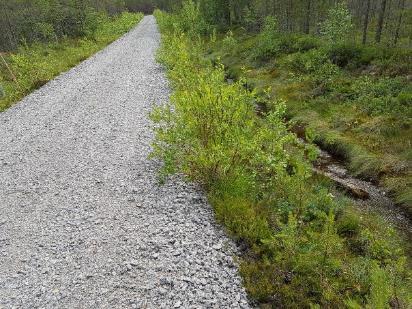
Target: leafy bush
x: 405, y: 97
x: 353, y: 56
x: 304, y: 43
x: 45, y: 21
x: 380, y: 96
x: 229, y: 42
x: 219, y: 124
x: 315, y: 63
x: 44, y: 32
x: 338, y: 24
x: 393, y: 62
x: 190, y: 19
x: 268, y: 40
x: 306, y: 62
x: 271, y: 42
x: 250, y: 19
x: 343, y: 54
x: 348, y: 225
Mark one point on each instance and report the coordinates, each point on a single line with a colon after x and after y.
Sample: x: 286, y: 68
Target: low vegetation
x: 306, y: 247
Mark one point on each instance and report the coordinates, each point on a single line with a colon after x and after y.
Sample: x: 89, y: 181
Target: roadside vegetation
x: 344, y: 73
x: 41, y: 39
x: 305, y: 246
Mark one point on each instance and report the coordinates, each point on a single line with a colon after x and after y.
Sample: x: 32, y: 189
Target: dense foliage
x: 305, y: 247
x: 27, y: 21
x: 380, y: 21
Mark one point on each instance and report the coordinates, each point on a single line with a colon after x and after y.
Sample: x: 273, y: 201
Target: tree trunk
x: 288, y: 15
x: 227, y: 13
x: 366, y: 21
x: 306, y: 26
x: 381, y: 19
x: 398, y: 26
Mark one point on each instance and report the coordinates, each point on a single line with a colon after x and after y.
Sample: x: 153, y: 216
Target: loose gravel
x: 83, y: 220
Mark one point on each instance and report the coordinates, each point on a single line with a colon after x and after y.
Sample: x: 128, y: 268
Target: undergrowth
x: 34, y: 65
x: 356, y: 99
x: 306, y: 248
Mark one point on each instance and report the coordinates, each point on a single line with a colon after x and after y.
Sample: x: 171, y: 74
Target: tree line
x: 374, y: 21
x: 26, y: 21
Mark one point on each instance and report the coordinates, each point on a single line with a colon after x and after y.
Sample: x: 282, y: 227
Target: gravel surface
x: 83, y: 221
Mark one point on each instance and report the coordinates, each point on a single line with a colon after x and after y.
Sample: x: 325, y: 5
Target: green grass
x: 361, y: 112
x: 35, y: 65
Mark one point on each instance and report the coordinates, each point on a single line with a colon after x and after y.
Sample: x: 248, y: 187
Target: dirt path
x: 83, y: 222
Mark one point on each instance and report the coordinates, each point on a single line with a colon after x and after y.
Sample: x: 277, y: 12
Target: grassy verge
x: 355, y: 101
x: 33, y: 66
x: 305, y: 247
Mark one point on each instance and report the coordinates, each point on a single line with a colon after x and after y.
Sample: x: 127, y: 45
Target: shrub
x: 305, y: 43
x: 306, y: 62
x: 405, y: 97
x: 343, y: 54
x: 250, y: 19
x: 348, y: 224
x: 315, y: 63
x: 190, y: 19
x: 268, y: 40
x: 338, y: 24
x: 380, y: 96
x: 271, y: 42
x: 2, y: 92
x: 394, y: 62
x: 369, y: 54
x: 44, y: 32
x: 92, y: 21
x: 229, y: 43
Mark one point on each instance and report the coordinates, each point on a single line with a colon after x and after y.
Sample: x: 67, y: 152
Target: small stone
x: 162, y: 291
x: 134, y: 263
x: 177, y: 304
x: 217, y: 246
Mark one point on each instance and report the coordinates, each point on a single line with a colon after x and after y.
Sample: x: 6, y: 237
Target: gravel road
x: 83, y: 221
